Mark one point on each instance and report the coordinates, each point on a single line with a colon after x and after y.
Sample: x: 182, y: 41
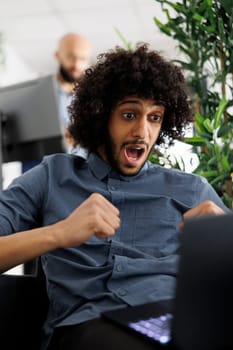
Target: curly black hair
x: 119, y: 73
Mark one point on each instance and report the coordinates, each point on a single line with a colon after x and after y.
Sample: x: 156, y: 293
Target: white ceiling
x: 32, y: 28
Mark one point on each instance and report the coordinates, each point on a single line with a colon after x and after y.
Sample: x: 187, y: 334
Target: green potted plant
x: 203, y: 30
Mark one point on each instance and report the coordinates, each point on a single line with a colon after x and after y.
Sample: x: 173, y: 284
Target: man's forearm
x: 18, y: 248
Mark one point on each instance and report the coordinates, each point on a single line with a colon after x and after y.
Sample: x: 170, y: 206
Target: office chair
x: 23, y: 309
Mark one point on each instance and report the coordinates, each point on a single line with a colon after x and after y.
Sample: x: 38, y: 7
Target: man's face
x: 73, y: 57
x: 134, y: 127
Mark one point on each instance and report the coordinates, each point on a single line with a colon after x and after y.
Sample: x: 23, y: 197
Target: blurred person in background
x: 73, y: 56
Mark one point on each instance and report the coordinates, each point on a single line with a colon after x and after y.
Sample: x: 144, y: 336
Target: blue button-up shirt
x: 137, y: 265
x: 64, y: 99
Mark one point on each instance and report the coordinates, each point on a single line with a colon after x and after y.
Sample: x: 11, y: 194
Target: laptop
x: 201, y: 315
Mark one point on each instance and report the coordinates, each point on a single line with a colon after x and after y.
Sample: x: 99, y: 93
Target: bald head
x: 73, y: 56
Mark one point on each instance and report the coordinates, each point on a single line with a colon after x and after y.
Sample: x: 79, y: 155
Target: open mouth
x: 134, y: 152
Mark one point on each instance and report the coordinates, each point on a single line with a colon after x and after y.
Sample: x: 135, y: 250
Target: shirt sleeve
x: 21, y: 202
x: 207, y: 192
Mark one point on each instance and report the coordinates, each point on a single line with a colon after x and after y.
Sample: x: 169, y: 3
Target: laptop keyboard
x: 158, y: 328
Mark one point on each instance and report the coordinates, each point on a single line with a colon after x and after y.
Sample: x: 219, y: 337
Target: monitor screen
x: 30, y: 121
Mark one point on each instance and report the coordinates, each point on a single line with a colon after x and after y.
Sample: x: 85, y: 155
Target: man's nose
x: 76, y: 64
x: 140, y: 128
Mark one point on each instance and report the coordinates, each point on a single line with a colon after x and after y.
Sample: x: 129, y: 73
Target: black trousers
x: 99, y: 334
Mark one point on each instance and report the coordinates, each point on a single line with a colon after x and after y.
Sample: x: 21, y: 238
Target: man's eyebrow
x: 137, y: 102
x: 127, y: 101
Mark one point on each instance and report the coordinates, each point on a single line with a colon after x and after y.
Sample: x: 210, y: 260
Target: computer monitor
x: 30, y: 120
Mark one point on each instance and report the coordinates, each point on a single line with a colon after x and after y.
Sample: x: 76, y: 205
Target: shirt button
x: 119, y: 268
x: 122, y: 292
x: 112, y: 188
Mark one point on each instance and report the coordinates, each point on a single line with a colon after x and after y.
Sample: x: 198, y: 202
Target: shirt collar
x: 101, y: 169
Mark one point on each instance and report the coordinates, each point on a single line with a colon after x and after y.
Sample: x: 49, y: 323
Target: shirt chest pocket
x: 156, y: 227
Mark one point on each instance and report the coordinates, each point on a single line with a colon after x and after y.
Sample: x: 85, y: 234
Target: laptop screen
x: 201, y: 316
x: 203, y: 307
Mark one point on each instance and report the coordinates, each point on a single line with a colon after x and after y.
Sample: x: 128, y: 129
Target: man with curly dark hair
x: 140, y: 74
x: 108, y: 227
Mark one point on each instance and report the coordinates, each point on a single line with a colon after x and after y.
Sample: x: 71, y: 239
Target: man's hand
x: 96, y: 215
x: 205, y: 208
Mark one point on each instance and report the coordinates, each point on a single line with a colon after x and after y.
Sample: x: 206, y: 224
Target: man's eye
x: 128, y: 115
x: 156, y: 118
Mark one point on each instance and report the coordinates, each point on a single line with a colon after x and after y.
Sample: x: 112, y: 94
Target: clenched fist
x: 96, y: 215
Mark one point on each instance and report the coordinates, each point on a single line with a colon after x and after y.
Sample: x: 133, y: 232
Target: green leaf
x: 163, y: 27
x: 126, y: 43
x: 218, y: 179
x: 198, y: 17
x: 209, y: 173
x: 204, y: 134
x: 225, y: 164
x: 219, y: 112
x: 212, y: 161
x: 199, y: 118
x: 208, y: 125
x: 217, y: 150
x: 195, y: 141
